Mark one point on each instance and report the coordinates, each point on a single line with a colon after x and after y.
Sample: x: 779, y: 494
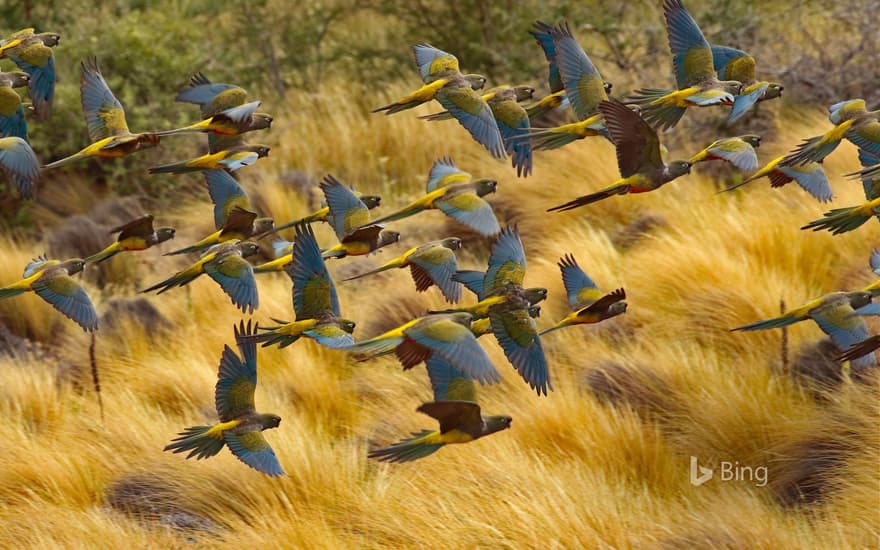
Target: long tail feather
x: 409, y: 449
x: 196, y: 440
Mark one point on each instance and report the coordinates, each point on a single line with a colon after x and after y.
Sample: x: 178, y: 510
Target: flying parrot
x: 105, y: 118
x: 231, y: 122
x: 231, y: 159
x: 137, y: 234
x: 239, y: 225
x: 852, y: 120
x: 841, y: 220
x: 811, y: 177
x: 51, y: 280
x: 833, y: 313
x: 20, y: 163
x: 447, y: 336
x: 738, y: 151
x: 241, y: 426
x: 430, y: 264
x: 638, y: 157
x: 733, y: 64
x: 589, y: 304
x: 212, y: 99
x: 33, y: 54
x: 695, y: 76
x: 225, y: 264
x: 315, y: 301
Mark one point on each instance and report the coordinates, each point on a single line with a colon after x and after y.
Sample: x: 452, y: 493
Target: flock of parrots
x: 446, y: 341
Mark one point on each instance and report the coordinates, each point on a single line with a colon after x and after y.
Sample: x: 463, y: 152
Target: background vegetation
x: 601, y: 462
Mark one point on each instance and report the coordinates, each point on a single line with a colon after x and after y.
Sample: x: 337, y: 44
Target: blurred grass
x: 574, y: 471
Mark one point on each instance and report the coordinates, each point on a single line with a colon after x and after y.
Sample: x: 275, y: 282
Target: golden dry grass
x: 573, y: 472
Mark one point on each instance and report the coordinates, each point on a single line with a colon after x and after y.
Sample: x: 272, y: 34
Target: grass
x: 591, y: 465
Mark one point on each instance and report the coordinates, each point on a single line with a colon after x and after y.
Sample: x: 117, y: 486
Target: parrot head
x: 485, y: 186
x: 535, y: 295
x: 534, y: 312
x: 616, y: 308
x: 261, y: 121
x: 859, y: 299
x: 607, y: 86
x: 751, y: 139
x: 248, y: 248
x: 164, y: 233
x: 388, y: 237
x: 49, y: 38
x: 74, y: 265
x: 462, y: 318
x: 497, y: 423
x: 371, y: 201
x: 477, y: 81
x: 678, y: 168
x: 523, y: 92
x: 262, y: 225
x: 773, y: 91
x: 260, y: 150
x: 346, y: 325
x: 452, y: 243
x: 733, y: 87
x: 268, y: 421
x: 16, y: 79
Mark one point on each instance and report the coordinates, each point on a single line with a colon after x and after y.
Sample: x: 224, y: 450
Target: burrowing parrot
x: 447, y: 336
x: 430, y: 264
x: 462, y: 202
x: 460, y: 422
x: 456, y: 93
x: 239, y: 225
x: 33, y: 54
x: 589, y: 304
x: 733, y: 64
x: 20, y: 163
x: 521, y: 93
x: 226, y: 195
x: 322, y: 214
x: 638, y: 157
x: 240, y: 426
x: 852, y: 120
x: 513, y: 123
x: 350, y: 219
x: 135, y: 235
x: 231, y: 122
x: 811, y: 177
x: 105, y: 118
x: 833, y: 313
x: 584, y: 89
x: 51, y: 280
x: 231, y: 159
x: 841, y: 220
x: 507, y: 304
x: 12, y: 121
x: 738, y: 151
x: 212, y: 99
x: 315, y: 301
x: 225, y: 264
x: 695, y: 76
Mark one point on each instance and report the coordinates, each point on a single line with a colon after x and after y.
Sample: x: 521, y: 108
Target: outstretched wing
x: 432, y: 62
x: 68, y: 297
x: 469, y: 108
x: 517, y: 335
x: 347, y: 211
x: 314, y: 294
x: 691, y: 54
x: 226, y: 194
x: 237, y: 378
x: 444, y: 173
x: 507, y: 262
x: 580, y: 290
x: 584, y: 86
x: 105, y: 116
x: 637, y: 145
x: 253, y: 449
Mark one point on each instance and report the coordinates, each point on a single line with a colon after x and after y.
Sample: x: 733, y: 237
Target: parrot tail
x: 368, y: 349
x: 557, y: 326
x: 198, y: 441
x: 418, y: 446
x: 861, y: 349
x: 397, y: 107
x: 396, y: 262
x: 108, y: 252
x: 270, y: 336
x: 776, y: 322
x: 594, y: 197
x: 839, y: 220
x: 275, y: 265
x: 662, y: 116
x: 179, y: 279
x: 174, y: 168
x: 442, y: 115
x: 813, y: 149
x: 643, y: 96
x: 198, y: 247
x: 64, y: 161
x: 10, y: 292
x: 399, y: 215
x: 546, y: 141
x: 178, y: 131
